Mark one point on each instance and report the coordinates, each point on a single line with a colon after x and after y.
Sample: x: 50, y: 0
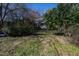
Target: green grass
x: 41, y: 45
x: 30, y: 47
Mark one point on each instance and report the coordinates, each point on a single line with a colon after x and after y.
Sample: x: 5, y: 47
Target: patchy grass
x: 40, y: 45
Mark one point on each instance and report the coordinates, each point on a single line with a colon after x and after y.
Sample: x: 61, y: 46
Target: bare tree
x: 3, y: 12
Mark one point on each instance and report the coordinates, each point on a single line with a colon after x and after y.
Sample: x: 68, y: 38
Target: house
x: 40, y: 23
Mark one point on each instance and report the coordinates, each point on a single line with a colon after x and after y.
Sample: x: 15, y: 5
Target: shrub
x: 20, y: 28
x: 74, y: 31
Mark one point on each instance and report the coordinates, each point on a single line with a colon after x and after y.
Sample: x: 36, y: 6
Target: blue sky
x: 41, y: 7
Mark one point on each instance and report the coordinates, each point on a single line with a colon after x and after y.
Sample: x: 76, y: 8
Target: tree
x: 5, y: 9
x: 64, y: 16
x: 21, y: 20
x: 51, y: 18
x: 0, y: 12
x: 3, y: 13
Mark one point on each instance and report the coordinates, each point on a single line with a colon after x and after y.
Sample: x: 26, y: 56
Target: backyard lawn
x: 35, y: 45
